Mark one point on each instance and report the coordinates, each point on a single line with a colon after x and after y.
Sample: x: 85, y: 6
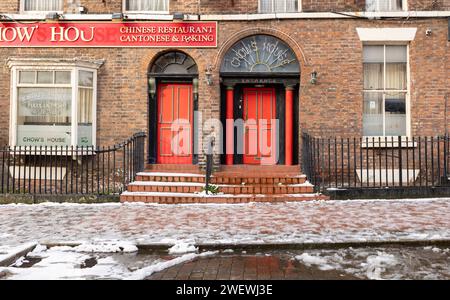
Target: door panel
x: 175, y: 119
x: 259, y: 115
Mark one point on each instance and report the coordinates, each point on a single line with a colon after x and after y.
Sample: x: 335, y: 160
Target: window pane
x: 86, y: 78
x: 373, y: 114
x: 273, y: 6
x: 62, y: 77
x: 384, y: 5
x: 85, y: 100
x: 395, y: 107
x: 373, y: 76
x: 396, y: 54
x: 44, y: 116
x: 396, y: 76
x: 27, y: 76
x: 43, y: 5
x: 373, y: 54
x: 147, y: 5
x: 45, y: 77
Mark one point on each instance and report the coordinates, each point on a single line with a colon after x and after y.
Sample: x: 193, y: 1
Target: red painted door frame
x: 259, y: 112
x: 175, y: 123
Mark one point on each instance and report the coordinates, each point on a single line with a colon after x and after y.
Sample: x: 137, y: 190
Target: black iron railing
x: 71, y: 170
x: 376, y: 162
x: 209, y: 164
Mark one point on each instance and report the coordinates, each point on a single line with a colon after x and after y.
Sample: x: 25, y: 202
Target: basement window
x: 35, y: 6
x: 385, y: 5
x: 146, y: 6
x: 53, y: 103
x: 279, y: 6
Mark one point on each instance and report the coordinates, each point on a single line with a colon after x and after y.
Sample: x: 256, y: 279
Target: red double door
x: 260, y: 127
x: 175, y: 123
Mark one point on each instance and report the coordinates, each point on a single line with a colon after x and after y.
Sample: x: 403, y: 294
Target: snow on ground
x: 382, y: 263
x: 72, y: 263
x: 182, y: 247
x: 302, y: 222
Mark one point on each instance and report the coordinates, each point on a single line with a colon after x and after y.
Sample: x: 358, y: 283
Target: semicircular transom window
x: 260, y: 54
x: 174, y: 63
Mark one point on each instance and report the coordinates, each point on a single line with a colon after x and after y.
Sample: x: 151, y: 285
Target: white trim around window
x: 154, y: 12
x: 80, y: 92
x: 387, y: 34
x: 379, y: 141
x: 34, y: 12
x: 299, y: 7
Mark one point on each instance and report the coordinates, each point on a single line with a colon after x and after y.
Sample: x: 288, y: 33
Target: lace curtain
x: 147, y: 5
x: 43, y: 5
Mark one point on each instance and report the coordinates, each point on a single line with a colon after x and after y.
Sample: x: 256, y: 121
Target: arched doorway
x: 260, y: 82
x: 173, y: 98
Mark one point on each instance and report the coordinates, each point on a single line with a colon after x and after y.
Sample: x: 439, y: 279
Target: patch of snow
x: 208, y: 194
x: 377, y: 264
x: 228, y: 251
x: 182, y: 247
x: 318, y: 261
x: 101, y: 247
x: 162, y: 174
x: 20, y: 262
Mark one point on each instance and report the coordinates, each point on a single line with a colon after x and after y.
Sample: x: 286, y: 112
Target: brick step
x: 173, y: 168
x: 170, y: 177
x: 248, y: 179
x: 265, y: 179
x: 260, y: 169
x: 192, y: 187
x: 182, y: 198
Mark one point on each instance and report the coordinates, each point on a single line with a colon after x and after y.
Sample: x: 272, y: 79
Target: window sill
x: 387, y: 142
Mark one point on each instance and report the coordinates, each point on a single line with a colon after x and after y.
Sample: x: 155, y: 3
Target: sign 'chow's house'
x: 281, y: 87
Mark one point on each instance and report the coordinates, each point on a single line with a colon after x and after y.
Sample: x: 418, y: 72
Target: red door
x: 175, y: 119
x: 260, y: 133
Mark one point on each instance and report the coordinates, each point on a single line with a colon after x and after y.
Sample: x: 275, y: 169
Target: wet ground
x: 421, y: 263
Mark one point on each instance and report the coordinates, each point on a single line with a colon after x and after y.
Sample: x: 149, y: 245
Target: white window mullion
x: 74, y: 124
x: 13, y: 109
x: 94, y: 110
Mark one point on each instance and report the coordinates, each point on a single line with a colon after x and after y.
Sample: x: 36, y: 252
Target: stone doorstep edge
x: 12, y: 257
x: 284, y: 246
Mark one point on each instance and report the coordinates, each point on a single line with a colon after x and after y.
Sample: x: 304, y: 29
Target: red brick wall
x: 331, y: 47
x: 9, y: 6
x: 234, y: 6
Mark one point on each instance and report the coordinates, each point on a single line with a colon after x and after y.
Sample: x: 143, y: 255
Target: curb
x: 286, y: 246
x: 8, y: 259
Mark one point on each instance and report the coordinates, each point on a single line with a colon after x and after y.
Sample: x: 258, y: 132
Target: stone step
x: 184, y: 198
x: 192, y: 187
x: 173, y: 168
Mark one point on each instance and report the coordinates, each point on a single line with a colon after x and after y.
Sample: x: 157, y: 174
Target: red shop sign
x: 109, y: 34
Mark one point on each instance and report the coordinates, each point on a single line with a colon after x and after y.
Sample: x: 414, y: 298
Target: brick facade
x: 231, y: 6
x: 329, y: 46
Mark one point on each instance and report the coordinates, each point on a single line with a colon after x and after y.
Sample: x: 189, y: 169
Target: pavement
x: 247, y: 267
x: 255, y: 223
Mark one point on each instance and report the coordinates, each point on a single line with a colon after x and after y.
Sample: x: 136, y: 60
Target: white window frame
x: 74, y: 66
x: 407, y: 92
x: 404, y: 6
x: 285, y: 12
x: 33, y: 12
x: 153, y: 12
